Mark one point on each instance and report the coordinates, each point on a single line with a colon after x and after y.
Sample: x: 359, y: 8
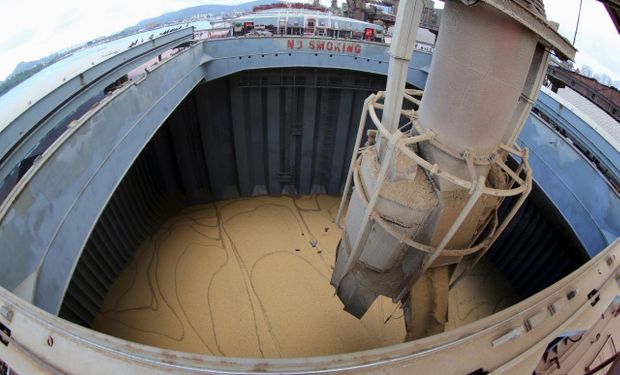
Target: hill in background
x: 26, y: 69
x: 202, y: 9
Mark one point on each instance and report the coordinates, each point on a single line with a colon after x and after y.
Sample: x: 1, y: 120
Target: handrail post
x: 358, y: 140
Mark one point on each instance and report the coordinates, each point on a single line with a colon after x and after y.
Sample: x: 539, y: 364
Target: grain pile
x: 244, y: 278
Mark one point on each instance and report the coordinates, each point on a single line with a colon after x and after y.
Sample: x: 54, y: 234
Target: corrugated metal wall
x: 281, y: 130
x: 537, y: 248
x: 272, y: 131
x: 134, y: 211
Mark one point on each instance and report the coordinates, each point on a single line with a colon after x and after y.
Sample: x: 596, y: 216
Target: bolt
x: 50, y: 341
x: 6, y: 313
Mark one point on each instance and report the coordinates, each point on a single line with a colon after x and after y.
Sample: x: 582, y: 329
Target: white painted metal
x: 487, y: 68
x: 401, y: 49
x: 358, y: 140
x: 534, y: 81
x: 366, y: 228
x: 480, y: 64
x: 363, y: 229
x: 42, y: 343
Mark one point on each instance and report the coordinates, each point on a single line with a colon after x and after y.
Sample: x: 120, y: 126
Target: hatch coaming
x: 174, y: 71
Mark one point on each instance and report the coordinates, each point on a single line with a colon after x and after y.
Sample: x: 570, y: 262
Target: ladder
x: 282, y: 27
x: 310, y: 25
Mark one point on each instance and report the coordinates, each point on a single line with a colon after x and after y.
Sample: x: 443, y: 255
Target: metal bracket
x: 6, y: 313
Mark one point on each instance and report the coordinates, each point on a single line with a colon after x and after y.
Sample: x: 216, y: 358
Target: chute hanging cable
x: 577, y: 26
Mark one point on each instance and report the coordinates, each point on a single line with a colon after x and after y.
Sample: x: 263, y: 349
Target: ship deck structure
x: 109, y: 154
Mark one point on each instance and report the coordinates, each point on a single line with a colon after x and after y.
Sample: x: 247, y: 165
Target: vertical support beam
x: 289, y: 150
x: 257, y: 140
x: 163, y: 154
x: 182, y: 128
x: 320, y: 155
x: 358, y: 140
x: 197, y: 151
x: 308, y: 137
x: 342, y: 130
x: 530, y: 92
x: 217, y: 138
x: 203, y: 112
x: 273, y: 140
x: 239, y: 134
x: 401, y: 49
x: 359, y: 98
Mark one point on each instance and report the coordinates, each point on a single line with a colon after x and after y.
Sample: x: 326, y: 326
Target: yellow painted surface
x: 241, y: 278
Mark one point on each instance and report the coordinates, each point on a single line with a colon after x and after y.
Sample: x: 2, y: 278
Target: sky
x: 34, y: 29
